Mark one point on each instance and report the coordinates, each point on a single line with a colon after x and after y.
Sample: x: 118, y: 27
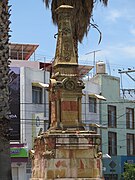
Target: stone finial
x: 65, y: 49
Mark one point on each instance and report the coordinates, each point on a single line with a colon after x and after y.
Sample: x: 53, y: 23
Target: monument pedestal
x: 66, y: 155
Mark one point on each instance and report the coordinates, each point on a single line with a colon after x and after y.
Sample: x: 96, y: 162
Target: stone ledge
x: 69, y: 179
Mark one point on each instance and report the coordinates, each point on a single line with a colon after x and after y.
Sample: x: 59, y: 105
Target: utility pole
x: 94, y: 58
x: 127, y: 73
x: 130, y: 76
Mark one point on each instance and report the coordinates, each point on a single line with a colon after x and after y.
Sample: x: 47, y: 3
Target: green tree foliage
x: 129, y: 173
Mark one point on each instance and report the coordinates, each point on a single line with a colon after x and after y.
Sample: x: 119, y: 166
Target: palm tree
x: 5, y: 162
x: 82, y: 15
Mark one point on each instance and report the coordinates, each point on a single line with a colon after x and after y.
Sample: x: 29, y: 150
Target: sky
x: 31, y: 23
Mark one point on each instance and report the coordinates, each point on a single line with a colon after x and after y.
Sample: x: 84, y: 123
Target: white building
x: 91, y: 103
x: 28, y: 103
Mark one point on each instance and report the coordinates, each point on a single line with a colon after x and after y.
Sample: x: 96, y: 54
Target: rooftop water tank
x: 100, y: 67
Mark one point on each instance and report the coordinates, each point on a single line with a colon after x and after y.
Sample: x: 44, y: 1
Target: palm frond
x: 105, y: 2
x: 82, y: 14
x: 100, y: 34
x: 47, y: 2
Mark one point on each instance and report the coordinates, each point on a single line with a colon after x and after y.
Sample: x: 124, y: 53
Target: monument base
x: 70, y: 179
x: 66, y: 155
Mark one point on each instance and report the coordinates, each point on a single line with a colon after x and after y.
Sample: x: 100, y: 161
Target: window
x: 92, y: 105
x: 36, y: 95
x: 111, y: 116
x: 130, y: 118
x: 130, y: 144
x: 112, y: 143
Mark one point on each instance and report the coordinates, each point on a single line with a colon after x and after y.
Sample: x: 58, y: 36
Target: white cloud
x: 114, y: 15
x: 127, y: 14
x: 118, y: 53
x: 129, y: 51
x: 132, y: 31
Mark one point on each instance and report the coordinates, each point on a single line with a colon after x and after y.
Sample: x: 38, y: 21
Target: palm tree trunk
x: 5, y: 161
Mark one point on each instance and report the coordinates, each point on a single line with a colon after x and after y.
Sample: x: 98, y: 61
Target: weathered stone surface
x: 69, y: 179
x: 67, y: 162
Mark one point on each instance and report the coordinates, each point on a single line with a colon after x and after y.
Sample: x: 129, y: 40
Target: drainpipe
x: 85, y: 106
x: 44, y: 89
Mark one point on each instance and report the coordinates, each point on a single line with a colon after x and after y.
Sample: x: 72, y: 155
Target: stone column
x: 66, y: 86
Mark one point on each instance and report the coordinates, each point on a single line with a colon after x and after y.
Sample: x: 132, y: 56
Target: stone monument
x: 66, y: 150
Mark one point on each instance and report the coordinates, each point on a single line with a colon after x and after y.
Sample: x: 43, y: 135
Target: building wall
x: 119, y: 167
x: 89, y: 117
x: 110, y: 89
x: 23, y: 63
x: 30, y: 111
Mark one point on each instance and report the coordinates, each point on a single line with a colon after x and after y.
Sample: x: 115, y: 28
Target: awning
x: 98, y: 96
x: 106, y: 156
x: 83, y: 70
x: 21, y: 51
x: 39, y: 84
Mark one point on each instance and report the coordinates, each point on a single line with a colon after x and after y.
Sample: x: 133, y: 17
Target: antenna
x: 108, y: 65
x: 94, y: 58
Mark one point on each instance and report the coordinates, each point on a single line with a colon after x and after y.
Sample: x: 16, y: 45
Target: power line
x: 106, y: 102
